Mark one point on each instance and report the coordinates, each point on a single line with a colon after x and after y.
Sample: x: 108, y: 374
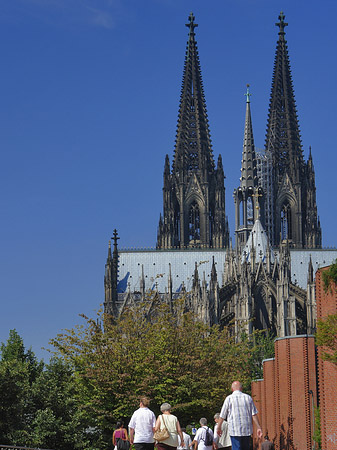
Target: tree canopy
x: 100, y: 369
x: 39, y: 406
x: 163, y: 353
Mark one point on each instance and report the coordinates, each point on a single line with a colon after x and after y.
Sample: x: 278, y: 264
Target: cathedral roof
x: 257, y: 242
x: 156, y: 267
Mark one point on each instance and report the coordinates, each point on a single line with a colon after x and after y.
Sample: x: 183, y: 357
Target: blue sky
x: 89, y: 100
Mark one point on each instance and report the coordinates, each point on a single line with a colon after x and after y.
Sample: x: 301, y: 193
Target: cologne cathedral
x: 267, y: 280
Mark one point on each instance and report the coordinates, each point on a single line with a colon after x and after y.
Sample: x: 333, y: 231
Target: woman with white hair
x: 171, y: 423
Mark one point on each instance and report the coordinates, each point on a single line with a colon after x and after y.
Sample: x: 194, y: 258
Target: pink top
x: 120, y: 434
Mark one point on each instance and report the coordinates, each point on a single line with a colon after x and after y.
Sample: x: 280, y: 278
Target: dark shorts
x: 240, y: 442
x: 144, y: 446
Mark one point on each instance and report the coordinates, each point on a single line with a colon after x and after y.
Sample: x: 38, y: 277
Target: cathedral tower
x: 193, y: 192
x: 291, y: 211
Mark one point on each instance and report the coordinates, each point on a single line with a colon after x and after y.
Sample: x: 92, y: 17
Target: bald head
x: 236, y: 386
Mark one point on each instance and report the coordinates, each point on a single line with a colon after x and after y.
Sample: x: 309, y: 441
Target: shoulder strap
x: 163, y: 421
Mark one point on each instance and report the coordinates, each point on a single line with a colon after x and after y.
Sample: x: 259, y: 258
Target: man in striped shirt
x: 239, y: 411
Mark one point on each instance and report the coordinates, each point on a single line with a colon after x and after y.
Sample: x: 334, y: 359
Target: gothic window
x: 192, y: 161
x: 194, y: 222
x: 250, y: 211
x: 286, y: 232
x: 263, y: 305
x: 241, y: 213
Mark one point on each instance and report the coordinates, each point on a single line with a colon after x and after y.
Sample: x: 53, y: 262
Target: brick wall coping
x: 295, y: 337
x: 268, y: 359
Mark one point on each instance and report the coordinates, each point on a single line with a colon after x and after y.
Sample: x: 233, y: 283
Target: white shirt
x: 187, y: 441
x: 143, y: 421
x: 238, y: 409
x: 224, y: 440
x: 201, y: 436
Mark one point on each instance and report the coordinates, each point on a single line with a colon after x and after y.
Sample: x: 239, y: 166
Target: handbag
x: 122, y: 444
x: 161, y: 435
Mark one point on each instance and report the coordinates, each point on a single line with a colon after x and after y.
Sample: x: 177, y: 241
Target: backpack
x: 208, y: 438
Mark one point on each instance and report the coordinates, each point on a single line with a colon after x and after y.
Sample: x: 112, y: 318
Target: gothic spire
x: 283, y: 139
x: 194, y: 193
x: 246, y: 197
x: 193, y: 150
x: 248, y: 166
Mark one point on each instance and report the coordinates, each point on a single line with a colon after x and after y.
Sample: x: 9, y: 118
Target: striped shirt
x: 238, y: 409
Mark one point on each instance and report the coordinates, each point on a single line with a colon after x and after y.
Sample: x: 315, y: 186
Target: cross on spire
x: 248, y: 94
x: 281, y: 24
x: 191, y: 25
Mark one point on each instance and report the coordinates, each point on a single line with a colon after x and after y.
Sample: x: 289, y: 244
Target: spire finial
x: 191, y: 25
x: 115, y: 239
x: 281, y: 24
x: 248, y: 94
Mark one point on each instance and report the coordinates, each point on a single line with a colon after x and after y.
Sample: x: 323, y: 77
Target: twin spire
x: 193, y: 149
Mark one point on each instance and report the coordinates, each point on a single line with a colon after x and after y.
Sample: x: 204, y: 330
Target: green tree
x: 261, y: 346
x: 58, y: 421
x: 18, y: 370
x: 39, y: 405
x: 155, y: 350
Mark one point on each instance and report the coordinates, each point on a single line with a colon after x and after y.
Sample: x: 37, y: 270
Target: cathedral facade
x: 267, y: 280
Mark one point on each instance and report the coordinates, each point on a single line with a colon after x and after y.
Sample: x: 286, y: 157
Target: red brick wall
x: 282, y: 397
x: 327, y: 372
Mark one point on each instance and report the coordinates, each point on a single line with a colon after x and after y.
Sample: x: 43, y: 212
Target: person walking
x: 171, y: 423
x: 119, y: 433
x: 222, y: 442
x: 187, y: 441
x: 267, y: 444
x: 142, y: 425
x: 240, y: 412
x: 204, y: 438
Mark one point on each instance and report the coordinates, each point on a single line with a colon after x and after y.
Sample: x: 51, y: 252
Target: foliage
x: 154, y: 350
x: 317, y: 434
x: 329, y: 277
x: 39, y: 406
x: 58, y: 422
x: 18, y: 371
x: 101, y: 367
x: 261, y: 345
x: 326, y: 337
